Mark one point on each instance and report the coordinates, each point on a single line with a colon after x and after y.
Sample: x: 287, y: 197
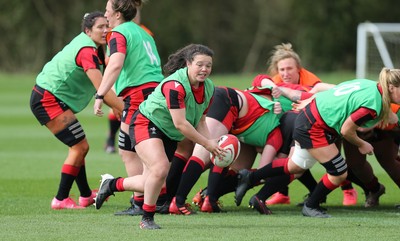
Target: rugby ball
x: 231, y: 145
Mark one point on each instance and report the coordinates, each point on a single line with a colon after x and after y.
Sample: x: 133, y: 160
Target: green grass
x: 31, y: 158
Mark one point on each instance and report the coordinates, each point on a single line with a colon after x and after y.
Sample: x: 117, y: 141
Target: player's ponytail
x: 128, y: 8
x: 387, y: 77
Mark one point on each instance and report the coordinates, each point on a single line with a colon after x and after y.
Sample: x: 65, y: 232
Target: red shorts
x: 45, y: 106
x: 310, y: 130
x: 274, y: 139
x: 133, y: 96
x: 142, y: 129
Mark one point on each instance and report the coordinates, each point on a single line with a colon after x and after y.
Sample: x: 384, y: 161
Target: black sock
x: 174, y: 175
x: 65, y: 186
x: 114, y: 126
x: 276, y: 168
x: 228, y: 184
x: 162, y: 199
x: 149, y: 215
x: 214, y: 181
x: 283, y: 190
x: 323, y: 188
x: 138, y: 200
x: 192, y: 173
x: 82, y: 183
x: 272, y: 185
x: 346, y: 185
x: 308, y: 180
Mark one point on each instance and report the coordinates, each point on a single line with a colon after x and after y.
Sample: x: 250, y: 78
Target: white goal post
x: 378, y: 46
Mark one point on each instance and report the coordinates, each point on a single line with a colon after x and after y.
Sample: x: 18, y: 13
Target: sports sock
x: 283, y: 190
x: 82, y: 183
x: 277, y: 167
x: 227, y: 184
x: 214, y: 181
x: 272, y: 185
x: 114, y: 125
x: 323, y: 188
x: 308, y: 180
x: 138, y: 200
x: 163, y: 197
x: 149, y: 210
x: 346, y: 185
x: 68, y: 175
x: 174, y: 175
x: 192, y: 172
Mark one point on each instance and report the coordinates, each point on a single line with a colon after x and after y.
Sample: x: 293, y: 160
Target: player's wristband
x: 98, y: 97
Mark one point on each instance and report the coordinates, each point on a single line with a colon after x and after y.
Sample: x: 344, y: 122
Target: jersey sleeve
x: 362, y: 115
x: 87, y: 58
x: 117, y: 43
x: 208, y: 107
x: 174, y: 94
x: 257, y: 81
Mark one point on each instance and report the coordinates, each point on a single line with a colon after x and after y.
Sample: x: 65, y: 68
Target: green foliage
x: 242, y: 33
x: 31, y: 158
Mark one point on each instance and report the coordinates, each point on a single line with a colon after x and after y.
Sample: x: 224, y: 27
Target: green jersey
x: 337, y: 104
x: 155, y: 107
x: 142, y: 63
x: 257, y: 133
x: 286, y: 103
x: 65, y: 79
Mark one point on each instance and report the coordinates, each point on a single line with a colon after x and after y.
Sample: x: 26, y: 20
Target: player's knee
x: 337, y: 167
x: 160, y: 170
x: 82, y: 147
x: 72, y: 135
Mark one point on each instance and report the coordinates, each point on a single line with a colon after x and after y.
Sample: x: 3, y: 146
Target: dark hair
x: 89, y: 19
x: 128, y: 8
x: 178, y: 59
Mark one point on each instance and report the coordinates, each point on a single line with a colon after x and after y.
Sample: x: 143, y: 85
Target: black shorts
x: 45, y: 106
x: 225, y: 106
x: 142, y: 129
x: 310, y: 130
x: 287, y: 127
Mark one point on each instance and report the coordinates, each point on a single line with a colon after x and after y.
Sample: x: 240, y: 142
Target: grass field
x: 31, y: 158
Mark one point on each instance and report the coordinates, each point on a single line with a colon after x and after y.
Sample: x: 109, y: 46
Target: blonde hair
x: 282, y: 51
x: 387, y: 77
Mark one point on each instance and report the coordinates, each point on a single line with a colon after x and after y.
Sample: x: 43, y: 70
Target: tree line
x: 241, y: 33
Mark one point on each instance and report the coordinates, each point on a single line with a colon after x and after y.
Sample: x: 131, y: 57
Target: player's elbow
x: 180, y: 125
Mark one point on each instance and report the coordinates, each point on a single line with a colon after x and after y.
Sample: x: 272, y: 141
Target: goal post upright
x: 365, y: 30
